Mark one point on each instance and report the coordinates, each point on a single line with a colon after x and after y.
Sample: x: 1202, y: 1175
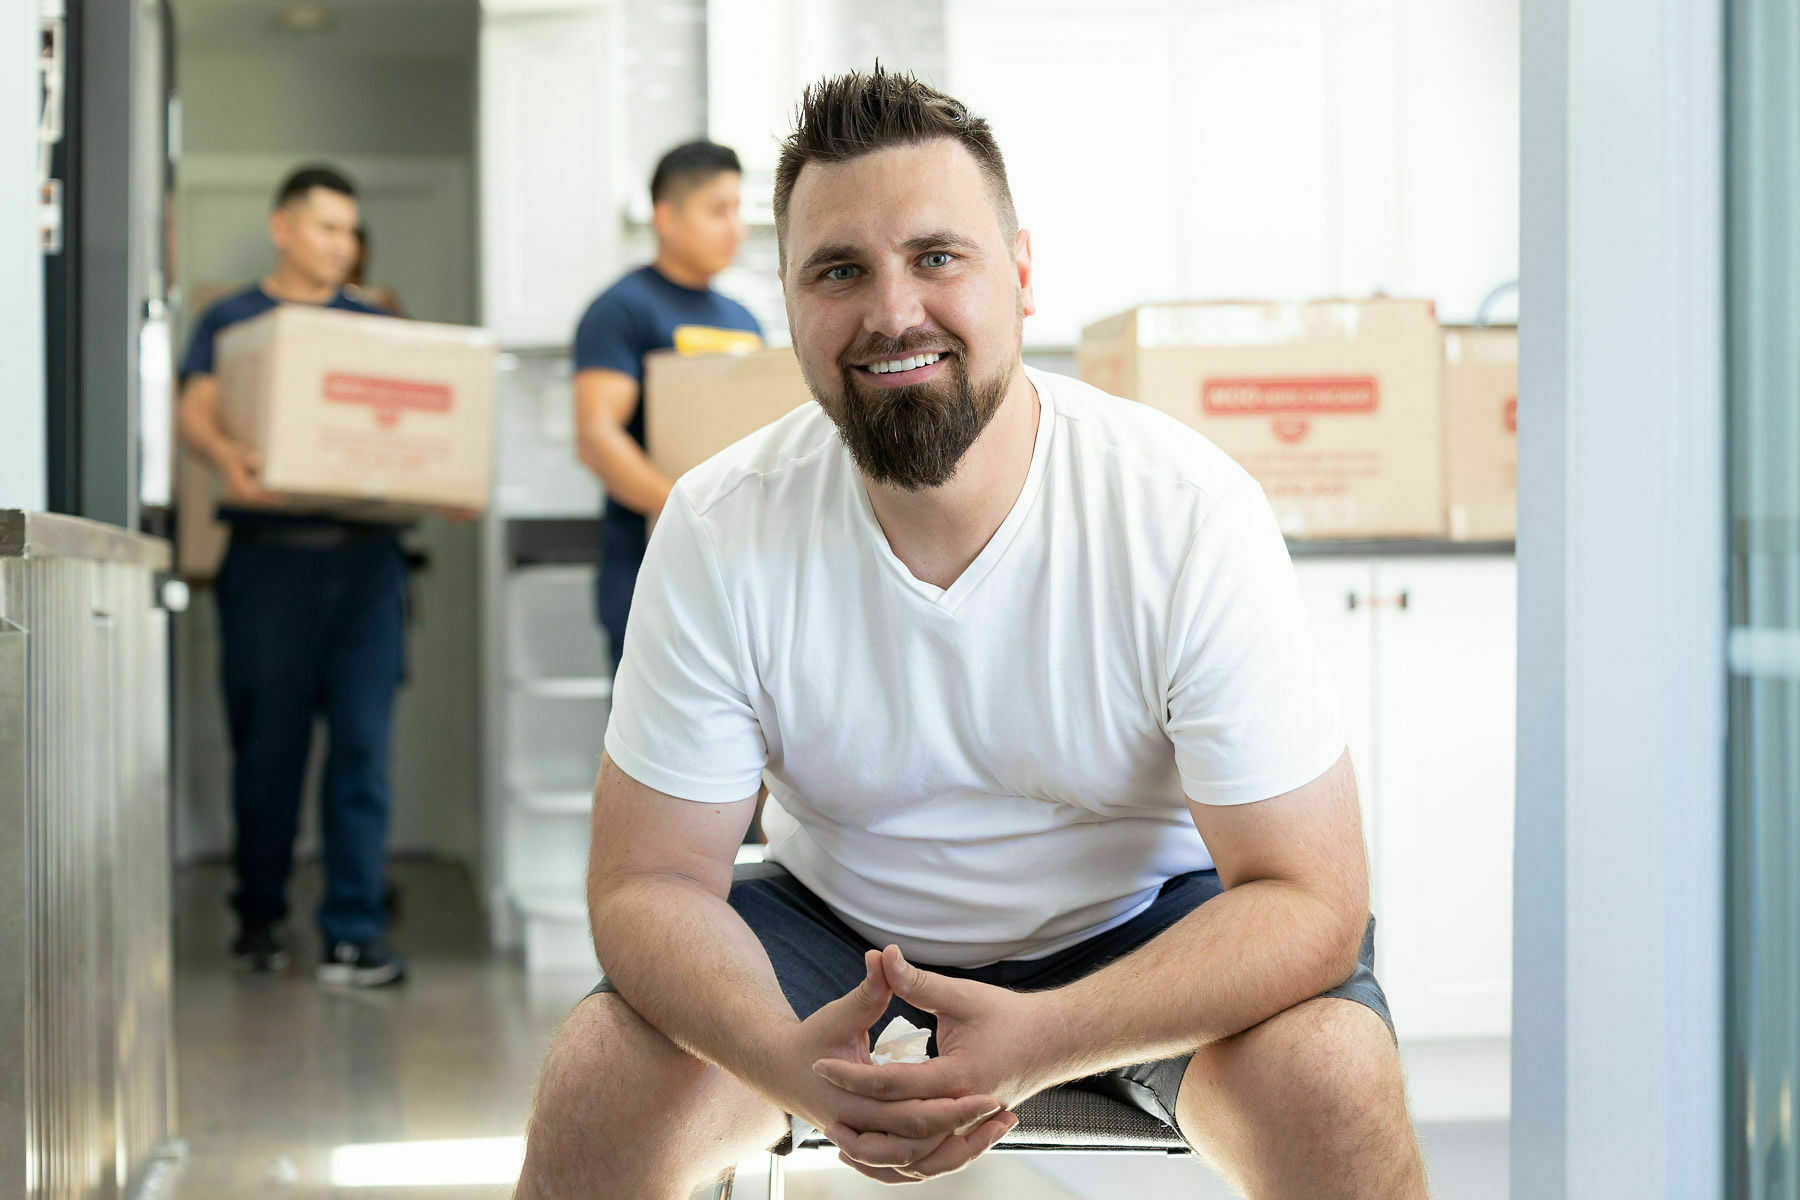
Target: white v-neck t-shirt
x: 998, y: 770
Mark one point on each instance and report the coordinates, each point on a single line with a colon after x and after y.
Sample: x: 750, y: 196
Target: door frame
x: 1619, y: 920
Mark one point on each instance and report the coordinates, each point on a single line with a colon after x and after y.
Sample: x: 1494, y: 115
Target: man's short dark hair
x: 687, y: 167
x: 298, y: 185
x: 846, y: 116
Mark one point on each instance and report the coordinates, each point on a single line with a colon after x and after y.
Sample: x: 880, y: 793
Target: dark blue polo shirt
x: 636, y: 316
x: 203, y: 346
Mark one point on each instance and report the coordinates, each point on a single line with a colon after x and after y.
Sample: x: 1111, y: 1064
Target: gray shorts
x: 818, y: 958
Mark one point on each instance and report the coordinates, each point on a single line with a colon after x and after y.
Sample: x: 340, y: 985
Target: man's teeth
x: 903, y: 364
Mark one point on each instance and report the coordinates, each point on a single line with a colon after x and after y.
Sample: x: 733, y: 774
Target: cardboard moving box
x: 1481, y: 432
x: 365, y: 417
x: 362, y: 415
x: 695, y: 406
x: 1334, y: 406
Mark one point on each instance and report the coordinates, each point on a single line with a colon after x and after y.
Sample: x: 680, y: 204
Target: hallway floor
x: 289, y: 1090
x: 276, y: 1072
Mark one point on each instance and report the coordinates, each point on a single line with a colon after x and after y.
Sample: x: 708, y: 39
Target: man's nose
x: 894, y: 306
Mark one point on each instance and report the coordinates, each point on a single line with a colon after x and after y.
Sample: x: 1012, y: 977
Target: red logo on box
x: 1510, y: 414
x: 1289, y: 397
x: 1290, y: 400
x: 388, y: 397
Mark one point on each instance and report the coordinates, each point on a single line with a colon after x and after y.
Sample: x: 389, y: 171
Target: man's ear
x: 662, y: 217
x: 1022, y: 259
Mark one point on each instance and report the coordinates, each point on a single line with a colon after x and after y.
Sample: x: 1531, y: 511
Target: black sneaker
x: 258, y: 948
x: 361, y: 964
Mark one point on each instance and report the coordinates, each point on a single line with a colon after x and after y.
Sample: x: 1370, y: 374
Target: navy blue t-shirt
x: 200, y: 360
x: 636, y: 316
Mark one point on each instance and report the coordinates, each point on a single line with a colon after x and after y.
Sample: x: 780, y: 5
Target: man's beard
x: 914, y: 437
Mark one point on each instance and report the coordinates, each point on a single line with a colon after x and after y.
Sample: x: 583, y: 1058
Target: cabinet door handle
x: 1399, y: 600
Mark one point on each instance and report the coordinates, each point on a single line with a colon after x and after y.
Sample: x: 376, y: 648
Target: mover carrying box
x: 696, y: 405
x: 365, y: 417
x: 1334, y: 406
x: 1481, y: 432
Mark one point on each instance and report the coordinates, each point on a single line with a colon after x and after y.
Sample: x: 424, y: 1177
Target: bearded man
x: 1052, y: 760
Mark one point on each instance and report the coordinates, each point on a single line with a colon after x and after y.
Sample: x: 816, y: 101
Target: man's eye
x: 839, y: 274
x: 938, y: 258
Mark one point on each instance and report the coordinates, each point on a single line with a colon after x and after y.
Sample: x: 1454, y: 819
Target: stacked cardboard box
x: 1481, y: 432
x: 1334, y: 406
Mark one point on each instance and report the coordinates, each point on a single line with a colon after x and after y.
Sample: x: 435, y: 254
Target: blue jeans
x: 307, y: 633
x: 622, y: 543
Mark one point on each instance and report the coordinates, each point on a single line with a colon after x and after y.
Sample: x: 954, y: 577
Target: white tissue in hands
x: 900, y: 1042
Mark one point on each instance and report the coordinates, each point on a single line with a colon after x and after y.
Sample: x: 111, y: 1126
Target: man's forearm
x: 687, y: 963
x: 201, y: 431
x: 625, y: 471
x: 1235, y: 961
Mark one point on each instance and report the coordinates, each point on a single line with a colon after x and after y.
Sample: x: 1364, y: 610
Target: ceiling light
x: 303, y: 16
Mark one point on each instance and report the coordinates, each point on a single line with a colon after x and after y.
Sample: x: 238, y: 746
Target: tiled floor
x: 276, y: 1073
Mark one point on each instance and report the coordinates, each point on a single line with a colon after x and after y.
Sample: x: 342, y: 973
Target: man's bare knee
x: 620, y: 1109
x: 1313, y: 1093
x: 1325, y: 1050
x: 605, y: 1047
x: 610, y: 1075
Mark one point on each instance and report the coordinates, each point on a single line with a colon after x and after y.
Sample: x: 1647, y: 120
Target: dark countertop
x: 1390, y: 547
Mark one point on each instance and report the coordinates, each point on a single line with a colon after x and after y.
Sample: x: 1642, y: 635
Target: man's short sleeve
x: 199, y: 357
x: 609, y: 335
x: 681, y: 719
x: 1251, y: 709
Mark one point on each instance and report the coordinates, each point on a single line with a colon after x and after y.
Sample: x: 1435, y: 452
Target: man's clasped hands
x: 902, y: 1122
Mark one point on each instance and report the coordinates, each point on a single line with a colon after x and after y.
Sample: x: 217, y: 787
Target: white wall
x: 309, y: 100
x: 22, y: 449
x: 1162, y: 149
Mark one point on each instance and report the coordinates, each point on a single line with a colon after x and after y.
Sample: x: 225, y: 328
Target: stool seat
x: 1070, y: 1119
x: 1063, y: 1120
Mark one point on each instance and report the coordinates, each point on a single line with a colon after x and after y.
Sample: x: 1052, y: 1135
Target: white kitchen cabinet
x: 1423, y: 650
x: 549, y: 137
